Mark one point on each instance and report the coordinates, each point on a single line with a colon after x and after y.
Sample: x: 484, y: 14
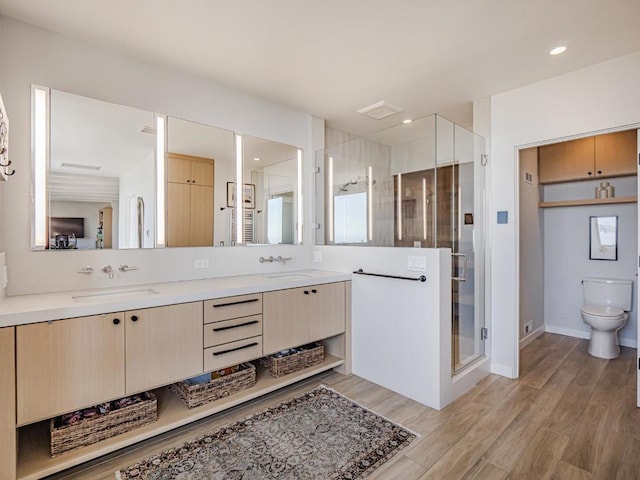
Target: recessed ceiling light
x: 256, y: 158
x: 558, y: 50
x: 408, y: 120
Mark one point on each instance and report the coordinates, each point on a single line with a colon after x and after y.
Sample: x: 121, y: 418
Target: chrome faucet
x: 107, y: 269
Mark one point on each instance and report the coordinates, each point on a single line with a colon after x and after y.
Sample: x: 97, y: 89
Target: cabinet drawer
x: 232, y: 307
x: 231, y: 330
x: 232, y: 353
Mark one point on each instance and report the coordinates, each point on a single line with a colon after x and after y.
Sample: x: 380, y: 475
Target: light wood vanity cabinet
x: 163, y: 344
x: 301, y: 315
x: 600, y: 156
x: 69, y: 364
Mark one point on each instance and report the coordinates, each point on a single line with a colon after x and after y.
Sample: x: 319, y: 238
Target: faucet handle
x: 126, y: 268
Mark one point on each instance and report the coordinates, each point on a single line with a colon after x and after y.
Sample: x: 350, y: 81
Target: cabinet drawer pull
x: 306, y: 292
x: 116, y: 321
x: 314, y: 291
x: 215, y: 354
x: 134, y: 318
x: 220, y: 329
x: 240, y: 302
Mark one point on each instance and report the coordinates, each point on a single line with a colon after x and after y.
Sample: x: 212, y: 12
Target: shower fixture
x: 354, y: 181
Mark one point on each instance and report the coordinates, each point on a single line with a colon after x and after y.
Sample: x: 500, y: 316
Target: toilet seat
x: 603, y: 311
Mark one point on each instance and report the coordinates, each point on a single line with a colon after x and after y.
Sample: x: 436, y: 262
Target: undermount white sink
x: 289, y: 275
x: 112, y: 295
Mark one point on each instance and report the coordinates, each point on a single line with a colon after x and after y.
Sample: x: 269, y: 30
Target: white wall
x: 591, y: 99
x: 135, y: 182
x: 32, y: 55
x: 566, y: 259
x: 531, y: 246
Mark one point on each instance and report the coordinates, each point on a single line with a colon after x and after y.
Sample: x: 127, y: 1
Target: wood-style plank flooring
x: 569, y: 416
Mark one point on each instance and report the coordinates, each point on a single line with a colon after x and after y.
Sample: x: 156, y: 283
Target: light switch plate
x: 317, y: 256
x: 417, y: 264
x: 201, y: 263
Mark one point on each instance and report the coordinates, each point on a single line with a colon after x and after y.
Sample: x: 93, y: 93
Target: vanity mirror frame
x: 40, y: 167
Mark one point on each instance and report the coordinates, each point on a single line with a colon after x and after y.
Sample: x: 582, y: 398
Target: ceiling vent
x: 380, y: 110
x: 81, y: 166
x: 147, y: 129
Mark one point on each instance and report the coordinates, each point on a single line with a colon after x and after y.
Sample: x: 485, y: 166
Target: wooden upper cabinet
x: 163, y: 345
x: 202, y: 173
x: 188, y: 169
x: 69, y: 364
x: 566, y: 161
x: 600, y: 156
x: 178, y: 169
x: 616, y: 153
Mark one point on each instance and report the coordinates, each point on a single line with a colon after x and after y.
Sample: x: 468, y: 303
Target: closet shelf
x: 587, y: 201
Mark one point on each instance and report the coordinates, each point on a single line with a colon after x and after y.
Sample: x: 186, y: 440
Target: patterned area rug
x: 319, y: 435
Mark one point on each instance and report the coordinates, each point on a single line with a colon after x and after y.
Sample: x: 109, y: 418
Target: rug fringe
x: 417, y: 435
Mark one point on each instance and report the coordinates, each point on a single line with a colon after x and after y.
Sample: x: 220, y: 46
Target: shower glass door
x: 460, y: 227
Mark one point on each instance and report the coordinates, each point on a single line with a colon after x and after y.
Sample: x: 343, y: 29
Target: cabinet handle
x: 188, y: 181
x: 306, y: 292
x: 589, y: 173
x: 134, y: 318
x: 599, y: 172
x: 215, y: 354
x: 116, y: 321
x: 220, y: 329
x: 193, y: 181
x: 239, y: 302
x: 314, y: 291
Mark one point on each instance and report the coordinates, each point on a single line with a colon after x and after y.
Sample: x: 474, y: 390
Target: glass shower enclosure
x: 422, y: 185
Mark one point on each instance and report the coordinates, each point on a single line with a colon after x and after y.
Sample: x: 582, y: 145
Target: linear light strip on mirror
x: 399, y: 208
x: 239, y: 206
x: 161, y: 142
x: 40, y: 154
x: 330, y: 195
x: 424, y: 208
x: 299, y: 195
x: 370, y: 203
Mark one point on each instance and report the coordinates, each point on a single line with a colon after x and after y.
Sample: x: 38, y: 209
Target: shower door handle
x: 463, y: 275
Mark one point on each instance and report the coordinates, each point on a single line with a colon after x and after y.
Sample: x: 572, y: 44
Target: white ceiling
x: 332, y: 57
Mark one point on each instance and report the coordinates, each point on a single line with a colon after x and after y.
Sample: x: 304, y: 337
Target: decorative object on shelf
x: 605, y: 190
x: 320, y: 434
x: 293, y: 359
x: 603, y: 238
x: 219, y: 384
x: 91, y: 425
x: 5, y: 163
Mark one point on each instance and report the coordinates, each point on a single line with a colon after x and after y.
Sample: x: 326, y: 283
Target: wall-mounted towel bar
x: 421, y: 278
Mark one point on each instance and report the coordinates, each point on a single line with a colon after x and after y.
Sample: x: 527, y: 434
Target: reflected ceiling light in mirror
x: 370, y: 202
x: 239, y: 197
x: 330, y: 195
x: 40, y: 154
x: 257, y: 159
x: 161, y: 142
x: 399, y: 207
x: 299, y: 196
x: 408, y: 120
x: 558, y: 50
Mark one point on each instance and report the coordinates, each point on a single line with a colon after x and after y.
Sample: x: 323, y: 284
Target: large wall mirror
x: 102, y: 171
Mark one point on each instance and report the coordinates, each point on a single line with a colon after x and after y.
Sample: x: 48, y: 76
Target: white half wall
x: 591, y: 99
x: 33, y: 55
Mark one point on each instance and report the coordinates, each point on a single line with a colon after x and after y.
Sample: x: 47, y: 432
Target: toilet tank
x: 608, y: 291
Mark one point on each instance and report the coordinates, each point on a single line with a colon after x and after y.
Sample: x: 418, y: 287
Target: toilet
x: 606, y: 305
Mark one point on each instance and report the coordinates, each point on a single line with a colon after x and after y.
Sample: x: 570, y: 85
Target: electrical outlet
x: 417, y: 264
x: 201, y: 263
x: 527, y: 328
x: 317, y: 256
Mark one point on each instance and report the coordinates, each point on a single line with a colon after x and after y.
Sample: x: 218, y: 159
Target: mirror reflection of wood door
x: 190, y: 212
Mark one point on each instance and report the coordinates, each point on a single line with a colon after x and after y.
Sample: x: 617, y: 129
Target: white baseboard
x: 502, y: 370
x: 531, y: 337
x: 569, y: 332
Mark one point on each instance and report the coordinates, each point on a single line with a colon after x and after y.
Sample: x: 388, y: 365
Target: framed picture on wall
x: 248, y: 195
x: 603, y: 238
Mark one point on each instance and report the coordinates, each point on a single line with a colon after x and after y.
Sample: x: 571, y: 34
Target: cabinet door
x: 285, y: 319
x: 68, y: 364
x: 163, y: 345
x: 566, y: 161
x: 178, y: 169
x: 201, y: 228
x: 326, y: 310
x: 202, y: 173
x: 178, y: 215
x: 616, y: 153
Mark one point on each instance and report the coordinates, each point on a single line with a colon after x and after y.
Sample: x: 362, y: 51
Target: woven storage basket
x: 279, y: 366
x: 101, y: 427
x: 196, y: 395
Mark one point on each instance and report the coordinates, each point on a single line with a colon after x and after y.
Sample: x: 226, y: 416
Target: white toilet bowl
x: 605, y: 321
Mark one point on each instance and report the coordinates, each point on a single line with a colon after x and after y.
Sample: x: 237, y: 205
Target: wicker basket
x: 101, y: 427
x: 199, y: 394
x: 279, y: 366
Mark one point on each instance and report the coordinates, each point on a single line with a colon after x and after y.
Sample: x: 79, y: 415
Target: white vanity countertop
x: 24, y: 309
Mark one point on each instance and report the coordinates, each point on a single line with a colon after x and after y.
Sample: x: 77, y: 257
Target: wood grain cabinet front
x: 301, y: 315
x: 163, y: 345
x: 65, y: 365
